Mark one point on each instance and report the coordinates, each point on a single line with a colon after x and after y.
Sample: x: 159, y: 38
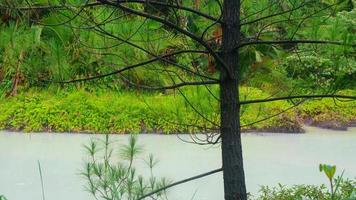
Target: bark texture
x: 233, y: 171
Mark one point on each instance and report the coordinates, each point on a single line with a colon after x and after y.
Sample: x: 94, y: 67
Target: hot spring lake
x: 269, y: 159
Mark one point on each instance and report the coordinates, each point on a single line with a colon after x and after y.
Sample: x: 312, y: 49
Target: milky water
x: 268, y: 158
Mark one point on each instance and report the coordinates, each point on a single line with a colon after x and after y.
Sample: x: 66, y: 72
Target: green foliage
x: 337, y: 185
x: 57, y: 53
x: 126, y: 112
x: 314, y: 71
x: 322, y: 67
x: 111, y: 177
x: 25, y: 56
x: 297, y: 192
x: 341, y: 189
x: 60, y: 53
x: 327, y: 67
x: 329, y: 110
x: 328, y: 170
x: 346, y: 191
x: 2, y: 197
x: 107, y: 112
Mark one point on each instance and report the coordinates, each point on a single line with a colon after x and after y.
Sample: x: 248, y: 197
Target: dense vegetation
x: 339, y: 188
x: 346, y: 191
x: 124, y: 112
x: 37, y: 56
x: 104, y: 66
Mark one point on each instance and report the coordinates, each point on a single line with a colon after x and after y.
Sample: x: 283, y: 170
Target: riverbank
x: 127, y: 112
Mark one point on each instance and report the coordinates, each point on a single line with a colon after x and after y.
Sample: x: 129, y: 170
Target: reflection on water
x: 269, y: 159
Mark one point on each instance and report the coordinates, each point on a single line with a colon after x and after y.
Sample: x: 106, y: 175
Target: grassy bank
x: 123, y: 112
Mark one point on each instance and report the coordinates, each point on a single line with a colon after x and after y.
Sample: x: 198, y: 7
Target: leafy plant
x: 341, y: 189
x: 329, y: 172
x: 113, y: 177
x: 335, y: 183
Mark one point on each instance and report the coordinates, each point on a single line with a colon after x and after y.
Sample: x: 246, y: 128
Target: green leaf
x: 2, y: 197
x: 352, y: 195
x: 37, y: 31
x: 191, y: 26
x: 259, y: 56
x: 329, y: 170
x: 151, y: 24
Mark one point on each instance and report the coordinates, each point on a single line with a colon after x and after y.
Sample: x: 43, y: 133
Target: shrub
x: 110, y: 111
x: 340, y: 189
x: 115, y: 178
x: 314, y: 71
x: 347, y: 191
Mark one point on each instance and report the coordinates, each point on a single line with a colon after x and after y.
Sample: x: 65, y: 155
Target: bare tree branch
x: 174, y: 86
x: 297, y: 97
x: 274, y: 15
x: 171, y: 25
x: 180, y: 7
x: 257, y: 42
x: 54, y: 7
x: 180, y: 182
x: 130, y: 67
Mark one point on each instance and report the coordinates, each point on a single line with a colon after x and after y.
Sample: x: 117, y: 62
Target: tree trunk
x: 233, y: 171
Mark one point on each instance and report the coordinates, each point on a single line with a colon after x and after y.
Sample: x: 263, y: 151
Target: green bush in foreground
x: 347, y: 191
x: 340, y: 189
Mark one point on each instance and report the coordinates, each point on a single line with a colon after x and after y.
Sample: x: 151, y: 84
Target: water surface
x: 269, y: 159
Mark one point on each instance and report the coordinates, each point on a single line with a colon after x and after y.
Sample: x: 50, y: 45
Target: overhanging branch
x: 297, y: 97
x: 98, y: 3
x: 52, y: 7
x: 173, y: 86
x: 181, y: 182
x: 170, y: 25
x: 273, y: 15
x: 180, y: 7
x: 130, y: 67
x: 259, y: 42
